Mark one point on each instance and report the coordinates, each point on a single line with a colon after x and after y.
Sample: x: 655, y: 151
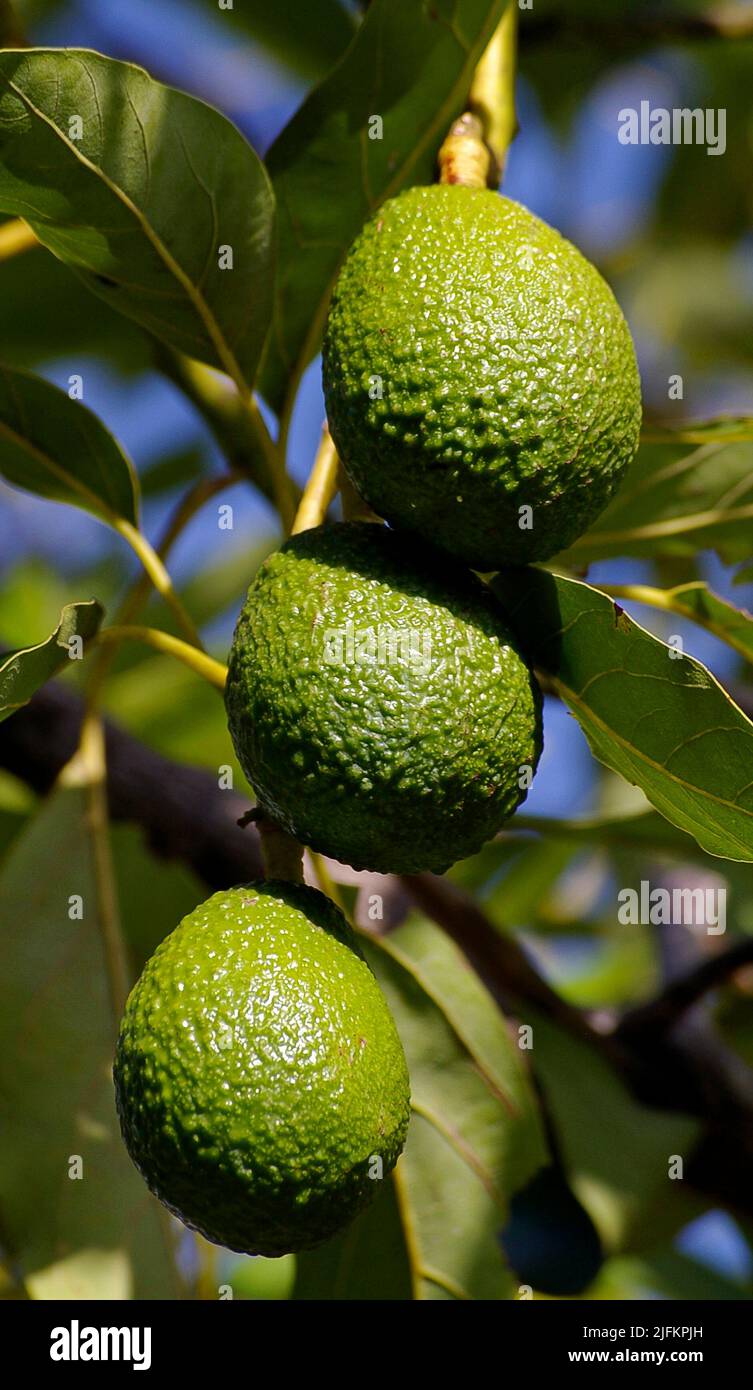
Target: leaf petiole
x: 158, y: 575
x: 320, y: 488
x: 205, y: 666
x: 15, y: 238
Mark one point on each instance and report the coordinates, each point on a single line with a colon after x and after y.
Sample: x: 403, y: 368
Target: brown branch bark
x: 182, y: 810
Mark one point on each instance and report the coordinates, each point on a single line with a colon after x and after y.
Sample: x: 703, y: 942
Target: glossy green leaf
x: 24, y: 670
x: 56, y: 447
x: 673, y: 502
x: 475, y: 1135
x: 411, y: 65
x: 138, y: 187
x: 656, y: 717
x: 56, y: 1093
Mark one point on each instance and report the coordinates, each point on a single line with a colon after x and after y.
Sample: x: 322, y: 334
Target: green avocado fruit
x: 261, y: 1085
x: 378, y: 704
x: 479, y: 376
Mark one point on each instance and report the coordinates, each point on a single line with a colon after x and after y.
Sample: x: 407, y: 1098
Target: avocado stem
x: 353, y: 506
x: 282, y: 855
x: 475, y: 149
x: 320, y: 488
x: 492, y: 94
x: 464, y: 158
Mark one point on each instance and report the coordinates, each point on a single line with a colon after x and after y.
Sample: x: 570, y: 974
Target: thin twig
x: 663, y: 1012
x: 138, y: 594
x: 205, y: 666
x: 87, y: 769
x: 155, y: 568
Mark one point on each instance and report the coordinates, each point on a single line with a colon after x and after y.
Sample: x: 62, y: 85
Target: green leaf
x: 663, y: 724
x: 615, y: 1151
x: 475, y: 1136
x: 28, y: 594
x: 640, y: 830
x: 411, y: 64
x: 308, y: 38
x: 258, y: 1277
x: 728, y: 429
x: 154, y: 894
x: 369, y: 1261
x: 56, y: 1093
x: 676, y: 503
x: 733, y: 625
x: 173, y: 470
x: 23, y: 671
x: 44, y: 315
x: 55, y: 447
x: 17, y: 802
x: 139, y: 199
x: 519, y: 896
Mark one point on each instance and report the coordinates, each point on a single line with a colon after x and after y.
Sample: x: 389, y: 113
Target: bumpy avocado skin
x: 377, y: 702
x: 475, y: 363
x: 258, y: 1071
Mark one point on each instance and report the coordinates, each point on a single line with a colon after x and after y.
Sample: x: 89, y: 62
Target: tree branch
x: 182, y: 810
x: 661, y: 1014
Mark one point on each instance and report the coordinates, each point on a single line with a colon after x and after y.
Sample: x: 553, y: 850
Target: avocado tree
x: 388, y: 1036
